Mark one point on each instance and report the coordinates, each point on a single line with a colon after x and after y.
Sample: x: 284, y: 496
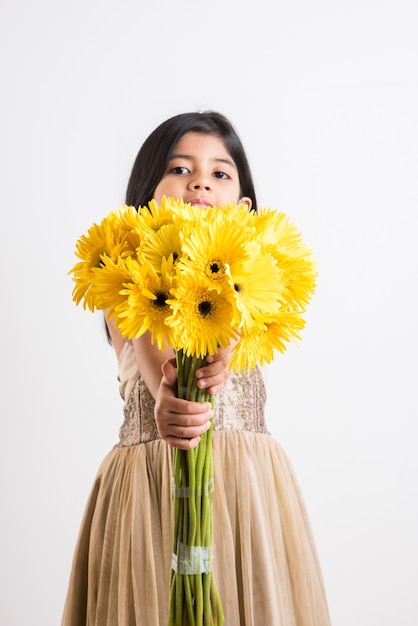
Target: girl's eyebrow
x: 177, y: 155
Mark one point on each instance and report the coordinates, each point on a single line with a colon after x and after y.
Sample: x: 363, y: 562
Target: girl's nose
x: 199, y: 182
x: 201, y: 186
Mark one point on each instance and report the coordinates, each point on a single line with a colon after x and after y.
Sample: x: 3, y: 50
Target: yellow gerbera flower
x: 283, y: 241
x: 259, y: 286
x: 146, y: 307
x: 214, y: 249
x: 202, y: 316
x: 102, y: 240
x: 108, y: 283
x: 299, y: 278
x: 153, y: 216
x: 262, y: 336
x: 129, y: 224
x: 182, y: 210
x: 236, y: 214
x: 275, y: 229
x: 186, y: 216
x: 162, y: 244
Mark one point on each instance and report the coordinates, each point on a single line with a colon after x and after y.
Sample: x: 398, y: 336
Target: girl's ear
x: 247, y: 201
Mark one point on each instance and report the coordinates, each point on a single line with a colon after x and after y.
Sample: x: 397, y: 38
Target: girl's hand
x: 180, y: 422
x: 215, y: 374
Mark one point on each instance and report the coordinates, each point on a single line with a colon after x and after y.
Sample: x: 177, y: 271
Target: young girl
x: 265, y: 564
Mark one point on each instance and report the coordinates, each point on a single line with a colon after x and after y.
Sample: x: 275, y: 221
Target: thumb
x: 169, y: 372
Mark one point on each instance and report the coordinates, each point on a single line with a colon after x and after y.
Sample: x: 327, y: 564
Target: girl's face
x: 202, y: 172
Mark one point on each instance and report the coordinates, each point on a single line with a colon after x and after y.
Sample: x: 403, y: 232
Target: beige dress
x: 264, y: 558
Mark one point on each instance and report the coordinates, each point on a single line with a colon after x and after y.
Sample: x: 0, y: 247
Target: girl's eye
x: 179, y: 170
x: 220, y: 175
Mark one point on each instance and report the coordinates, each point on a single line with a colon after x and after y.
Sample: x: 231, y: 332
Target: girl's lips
x: 200, y: 202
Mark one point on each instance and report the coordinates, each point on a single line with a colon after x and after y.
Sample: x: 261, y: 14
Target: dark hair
x: 155, y: 153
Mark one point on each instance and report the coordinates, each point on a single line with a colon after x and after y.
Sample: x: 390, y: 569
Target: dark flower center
x: 160, y: 300
x: 215, y: 269
x: 237, y: 287
x: 205, y: 308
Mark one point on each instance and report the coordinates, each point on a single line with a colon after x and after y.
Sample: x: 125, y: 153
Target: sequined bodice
x: 240, y: 406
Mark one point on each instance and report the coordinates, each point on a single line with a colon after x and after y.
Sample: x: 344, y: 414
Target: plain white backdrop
x: 325, y: 97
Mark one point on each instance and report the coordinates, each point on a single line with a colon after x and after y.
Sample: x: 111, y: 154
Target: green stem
x: 184, y: 501
x: 179, y: 598
x: 207, y: 611
x: 194, y: 599
x: 192, y: 388
x: 189, y: 601
x: 193, y: 521
x: 207, y: 501
x: 173, y: 600
x: 177, y: 476
x: 199, y: 599
x: 201, y: 455
x: 180, y: 373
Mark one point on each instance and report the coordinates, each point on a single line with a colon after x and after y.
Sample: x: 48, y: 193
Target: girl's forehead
x: 195, y: 145
x: 195, y: 141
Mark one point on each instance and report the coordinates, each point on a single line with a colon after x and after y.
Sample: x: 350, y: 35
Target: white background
x: 325, y: 97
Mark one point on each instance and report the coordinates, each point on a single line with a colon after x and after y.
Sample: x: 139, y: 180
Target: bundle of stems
x: 194, y: 598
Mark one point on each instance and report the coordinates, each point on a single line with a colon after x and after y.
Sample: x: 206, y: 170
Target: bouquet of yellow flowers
x: 196, y: 280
